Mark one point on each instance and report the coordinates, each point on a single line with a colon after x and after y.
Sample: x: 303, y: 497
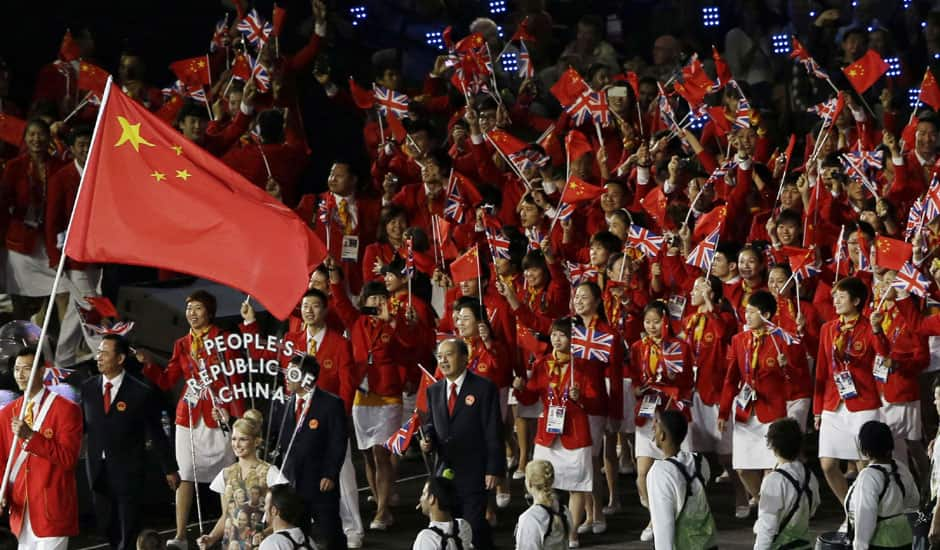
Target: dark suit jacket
x: 470, y: 442
x: 133, y: 417
x: 319, y: 448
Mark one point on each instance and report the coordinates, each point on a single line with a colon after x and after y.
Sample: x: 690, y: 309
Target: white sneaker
x: 574, y: 544
x: 647, y: 534
x: 599, y: 527
x: 518, y: 474
x: 181, y: 544
x: 353, y: 540
x: 742, y: 512
x: 611, y: 510
x: 584, y: 528
x: 502, y: 500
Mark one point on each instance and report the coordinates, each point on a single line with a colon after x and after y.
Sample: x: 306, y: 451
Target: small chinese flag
x: 240, y: 68
x: 708, y: 222
x: 720, y: 120
x: 655, y: 204
x: 92, y: 78
x: 69, y: 50
x: 569, y: 87
x: 507, y: 143
x: 193, y: 72
x: 102, y: 305
x: 579, y: 190
x: 863, y: 74
x: 892, y: 253
x: 12, y: 129
x: 523, y: 33
x: 170, y: 108
x: 576, y: 145
x: 277, y: 20
x: 929, y: 90
x: 363, y: 98
x: 467, y: 266
x: 149, y: 196
x: 722, y: 72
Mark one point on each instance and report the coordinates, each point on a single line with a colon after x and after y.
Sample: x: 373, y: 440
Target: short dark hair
x: 149, y: 539
x: 717, y: 287
x: 307, y: 364
x: 444, y: 491
x: 192, y: 109
x: 372, y: 288
x: 875, y: 440
x: 659, y: 306
x: 29, y: 351
x: 204, y: 298
x: 474, y: 306
x: 608, y: 240
x: 316, y: 293
x: 562, y: 325
x: 785, y: 438
x: 765, y: 302
x: 789, y: 216
x: 288, y: 503
x: 121, y: 345
x: 729, y: 249
x: 81, y: 130
x: 271, y: 126
x: 674, y: 424
x: 855, y: 288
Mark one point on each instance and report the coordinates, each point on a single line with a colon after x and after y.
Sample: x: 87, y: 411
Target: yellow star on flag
x: 178, y: 149
x: 183, y: 174
x: 157, y: 175
x: 130, y: 133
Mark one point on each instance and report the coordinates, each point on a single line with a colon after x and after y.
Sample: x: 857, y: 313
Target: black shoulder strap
x: 551, y: 520
x: 685, y: 475
x: 297, y: 545
x: 893, y: 474
x: 445, y: 536
x: 801, y: 489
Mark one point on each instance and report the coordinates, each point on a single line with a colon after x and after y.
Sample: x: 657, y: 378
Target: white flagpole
x: 55, y: 286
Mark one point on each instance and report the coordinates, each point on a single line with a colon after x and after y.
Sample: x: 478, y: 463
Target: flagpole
x: 78, y: 107
x: 479, y: 278
x: 796, y: 281
x: 192, y: 450
x: 209, y: 69
x: 55, y: 285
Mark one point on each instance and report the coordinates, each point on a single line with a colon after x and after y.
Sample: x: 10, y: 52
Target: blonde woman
x: 545, y: 525
x: 237, y: 481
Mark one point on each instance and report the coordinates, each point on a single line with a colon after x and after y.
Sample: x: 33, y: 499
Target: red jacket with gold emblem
x: 493, y: 363
x: 852, y: 349
x: 60, y: 198
x: 707, y: 336
x: 766, y: 376
x: 183, y: 365
x: 909, y: 355
x: 551, y: 386
x: 23, y: 201
x: 673, y: 384
x: 46, y: 480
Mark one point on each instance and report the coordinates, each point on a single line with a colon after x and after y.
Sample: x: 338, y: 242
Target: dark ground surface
x: 623, y: 528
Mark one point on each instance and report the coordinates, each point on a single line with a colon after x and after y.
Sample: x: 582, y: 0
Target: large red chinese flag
x: 892, y: 253
x: 12, y: 129
x: 150, y: 197
x: 569, y: 88
x: 929, y: 90
x: 92, y: 78
x: 277, y: 20
x: 579, y: 190
x: 466, y: 267
x: 866, y: 71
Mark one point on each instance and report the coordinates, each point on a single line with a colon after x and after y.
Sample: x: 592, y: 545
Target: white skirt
x: 750, y: 446
x: 798, y: 410
x: 903, y: 418
x: 29, y: 275
x: 375, y: 424
x: 838, y: 432
x: 573, y: 468
x: 213, y: 452
x: 704, y: 436
x: 532, y: 411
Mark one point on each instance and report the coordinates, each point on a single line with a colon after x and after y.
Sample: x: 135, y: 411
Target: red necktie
x: 452, y: 400
x: 300, y: 410
x: 107, y: 397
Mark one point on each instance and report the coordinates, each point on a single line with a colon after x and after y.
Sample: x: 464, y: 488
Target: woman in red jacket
x: 22, y: 211
x: 661, y: 369
x: 380, y: 342
x: 564, y: 432
x: 390, y: 239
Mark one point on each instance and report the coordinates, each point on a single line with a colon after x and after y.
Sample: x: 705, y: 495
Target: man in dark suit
x: 312, y: 443
x: 466, y: 430
x: 121, y: 412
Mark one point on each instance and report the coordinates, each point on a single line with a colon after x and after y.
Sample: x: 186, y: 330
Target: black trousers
x: 324, y: 510
x: 471, y: 506
x: 117, y: 514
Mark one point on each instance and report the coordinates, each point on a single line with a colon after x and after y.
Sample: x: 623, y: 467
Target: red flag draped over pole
x: 150, y: 197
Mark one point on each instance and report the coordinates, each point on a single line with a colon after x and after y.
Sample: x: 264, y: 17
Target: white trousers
x: 78, y: 283
x: 349, y: 497
x: 29, y: 541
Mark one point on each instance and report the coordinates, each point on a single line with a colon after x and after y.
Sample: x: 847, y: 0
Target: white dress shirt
x: 458, y: 382
x: 666, y: 489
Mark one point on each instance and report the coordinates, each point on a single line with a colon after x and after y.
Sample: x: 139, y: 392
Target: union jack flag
x: 535, y: 238
x: 409, y: 270
x: 579, y: 273
x: 255, y: 29
x: 787, y: 338
x: 197, y: 94
x: 870, y: 160
x: 118, y: 327
x: 259, y: 74
x: 386, y: 99
x: 932, y: 200
x: 591, y: 344
x: 600, y: 111
x: 806, y: 271
x: 825, y: 110
x: 911, y: 280
x: 720, y: 172
x: 644, y: 240
x: 742, y: 117
x: 800, y: 54
x: 56, y: 375
x: 914, y: 218
x: 323, y: 209
x: 177, y: 88
x: 220, y: 36
x: 565, y: 211
x: 526, y: 70
x: 703, y: 254
x: 580, y: 110
x: 453, y: 204
x: 672, y: 357
x: 665, y: 110
x: 401, y: 439
x: 528, y: 157
x: 499, y: 244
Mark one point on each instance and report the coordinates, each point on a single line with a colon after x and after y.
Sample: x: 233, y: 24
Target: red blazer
x: 19, y: 190
x: 577, y: 431
x: 60, y: 198
x: 414, y: 199
x: 182, y: 365
x: 286, y: 161
x: 710, y: 351
x: 859, y: 357
x: 676, y: 387
x: 47, y: 478
x: 494, y: 363
x: 766, y: 378
x: 218, y: 142
x: 909, y: 355
x: 387, y: 345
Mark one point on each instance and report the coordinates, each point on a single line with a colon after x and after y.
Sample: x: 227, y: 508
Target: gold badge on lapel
x: 771, y: 362
x: 386, y: 338
x: 47, y: 433
x: 709, y: 337
x: 327, y: 363
x: 314, y: 424
x: 857, y: 346
x: 470, y: 400
x: 121, y: 406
